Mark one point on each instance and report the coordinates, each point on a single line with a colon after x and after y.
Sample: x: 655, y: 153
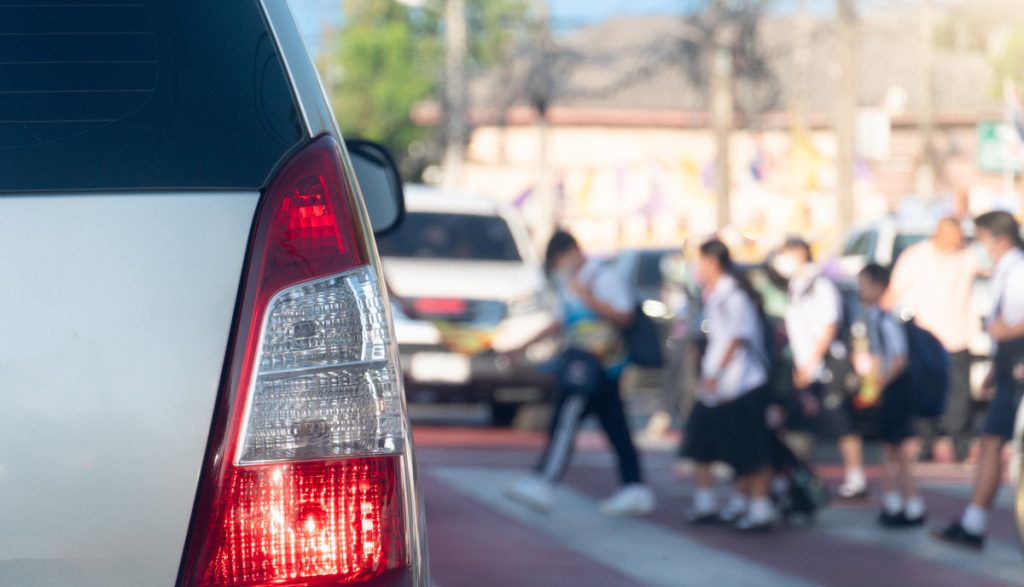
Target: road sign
x: 999, y: 150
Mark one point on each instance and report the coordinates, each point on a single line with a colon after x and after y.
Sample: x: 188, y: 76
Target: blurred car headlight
x: 531, y: 304
x: 541, y: 352
x: 655, y: 309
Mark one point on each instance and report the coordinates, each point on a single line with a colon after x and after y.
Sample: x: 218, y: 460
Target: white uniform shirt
x: 814, y: 305
x: 1008, y: 288
x: 887, y: 338
x: 731, y: 315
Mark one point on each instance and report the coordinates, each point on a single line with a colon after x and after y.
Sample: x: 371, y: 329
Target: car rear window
x: 904, y: 242
x: 649, y: 269
x: 466, y: 237
x: 140, y: 94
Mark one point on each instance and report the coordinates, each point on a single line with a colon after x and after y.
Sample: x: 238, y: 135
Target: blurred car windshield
x: 466, y: 237
x: 904, y: 242
x: 648, y: 272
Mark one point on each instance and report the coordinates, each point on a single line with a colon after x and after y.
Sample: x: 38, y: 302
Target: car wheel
x: 503, y: 415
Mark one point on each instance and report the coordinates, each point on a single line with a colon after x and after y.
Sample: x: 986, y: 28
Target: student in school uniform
x: 814, y: 318
x: 902, y: 505
x: 728, y: 421
x: 998, y: 233
x: 596, y: 304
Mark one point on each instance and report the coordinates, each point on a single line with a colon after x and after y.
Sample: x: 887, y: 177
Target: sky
x: 313, y: 15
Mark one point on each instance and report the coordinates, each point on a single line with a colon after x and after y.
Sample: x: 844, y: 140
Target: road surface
x: 479, y: 539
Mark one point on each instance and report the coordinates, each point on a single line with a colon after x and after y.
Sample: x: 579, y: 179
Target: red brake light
x: 440, y: 306
x: 339, y: 520
x: 303, y: 478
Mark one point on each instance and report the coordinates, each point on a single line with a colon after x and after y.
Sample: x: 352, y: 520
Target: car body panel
x: 115, y: 316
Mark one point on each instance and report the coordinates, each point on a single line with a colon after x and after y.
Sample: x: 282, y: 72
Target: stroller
x: 799, y: 494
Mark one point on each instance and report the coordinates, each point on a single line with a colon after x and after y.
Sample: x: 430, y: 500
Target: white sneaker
x: 631, y: 500
x: 535, y: 493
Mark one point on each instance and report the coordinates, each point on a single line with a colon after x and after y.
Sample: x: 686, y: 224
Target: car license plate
x: 440, y: 368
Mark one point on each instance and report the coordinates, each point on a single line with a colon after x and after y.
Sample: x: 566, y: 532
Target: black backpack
x: 928, y: 371
x: 643, y: 342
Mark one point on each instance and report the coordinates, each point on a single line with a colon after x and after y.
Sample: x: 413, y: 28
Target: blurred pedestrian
x: 902, y: 505
x: 595, y: 305
x: 815, y: 327
x: 934, y: 280
x: 727, y: 423
x: 999, y: 235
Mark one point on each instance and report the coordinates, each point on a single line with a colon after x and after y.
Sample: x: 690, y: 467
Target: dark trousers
x: 958, y: 421
x: 570, y: 412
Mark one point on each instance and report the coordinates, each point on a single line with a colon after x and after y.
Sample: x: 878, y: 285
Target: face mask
x: 786, y: 265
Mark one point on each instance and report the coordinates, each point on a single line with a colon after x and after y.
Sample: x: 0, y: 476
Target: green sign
x: 997, y: 148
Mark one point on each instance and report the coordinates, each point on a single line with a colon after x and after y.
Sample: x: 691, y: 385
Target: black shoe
x: 900, y: 520
x: 702, y: 518
x: 956, y: 535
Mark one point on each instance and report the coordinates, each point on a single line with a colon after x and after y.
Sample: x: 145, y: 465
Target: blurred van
x: 469, y: 299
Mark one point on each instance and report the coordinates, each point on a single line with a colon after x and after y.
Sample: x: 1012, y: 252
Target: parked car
x: 200, y: 377
x: 643, y: 270
x: 470, y: 298
x: 880, y: 242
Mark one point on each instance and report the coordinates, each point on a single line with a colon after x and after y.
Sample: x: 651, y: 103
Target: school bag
x: 643, y: 342
x: 805, y: 494
x: 928, y: 370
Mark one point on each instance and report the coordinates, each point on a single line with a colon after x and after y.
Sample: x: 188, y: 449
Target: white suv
x: 200, y: 380
x: 470, y: 297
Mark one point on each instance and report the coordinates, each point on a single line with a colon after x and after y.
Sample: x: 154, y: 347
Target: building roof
x: 631, y: 71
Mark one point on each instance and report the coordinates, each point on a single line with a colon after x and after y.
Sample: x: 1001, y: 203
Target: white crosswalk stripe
x: 998, y: 561
x: 643, y: 551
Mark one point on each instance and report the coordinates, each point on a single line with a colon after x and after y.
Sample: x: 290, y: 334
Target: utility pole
x: 929, y: 170
x: 846, y: 113
x: 455, y: 91
x: 723, y: 106
x: 547, y: 212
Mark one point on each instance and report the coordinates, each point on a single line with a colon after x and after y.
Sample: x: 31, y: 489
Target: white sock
x: 737, y: 503
x: 914, y: 508
x: 975, y: 519
x: 855, y: 477
x: 892, y: 503
x: 704, y: 500
x: 761, y: 510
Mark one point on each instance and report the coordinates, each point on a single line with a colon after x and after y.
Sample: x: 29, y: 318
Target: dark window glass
x: 904, y: 242
x: 862, y: 245
x: 466, y: 237
x: 648, y: 271
x: 140, y: 94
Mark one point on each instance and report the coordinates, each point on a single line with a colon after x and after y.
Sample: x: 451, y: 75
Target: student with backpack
x: 599, y: 329
x: 727, y: 423
x: 821, y: 350
x: 998, y: 234
x: 890, y: 357
x: 942, y: 264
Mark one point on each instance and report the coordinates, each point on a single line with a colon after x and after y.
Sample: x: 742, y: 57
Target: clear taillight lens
x: 307, y: 476
x: 326, y: 384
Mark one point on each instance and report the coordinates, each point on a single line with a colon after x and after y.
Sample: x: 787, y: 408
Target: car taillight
x: 303, y: 482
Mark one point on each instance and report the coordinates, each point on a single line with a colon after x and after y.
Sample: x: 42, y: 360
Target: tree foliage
x: 384, y: 60
x: 387, y: 57
x: 1008, y: 63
